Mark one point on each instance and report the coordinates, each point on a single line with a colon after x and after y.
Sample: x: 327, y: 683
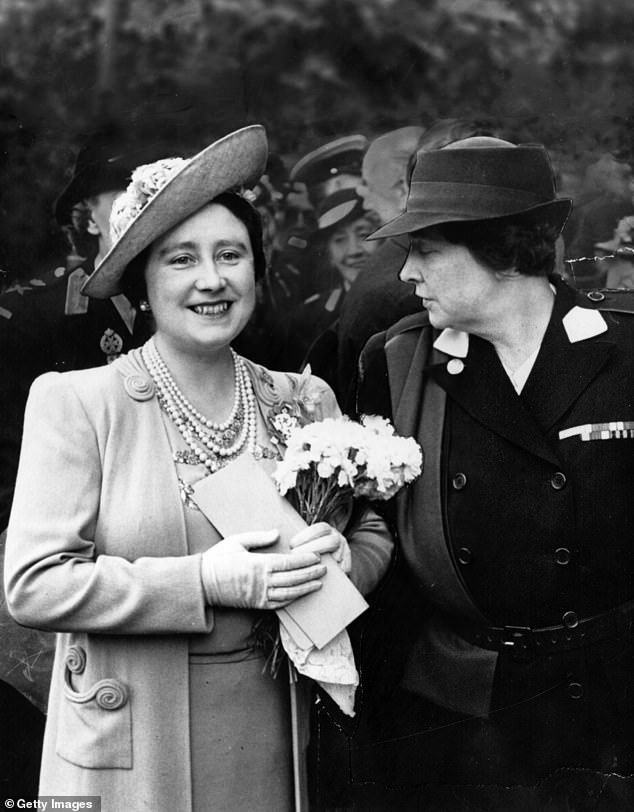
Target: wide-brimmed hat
x: 479, y: 178
x: 161, y: 195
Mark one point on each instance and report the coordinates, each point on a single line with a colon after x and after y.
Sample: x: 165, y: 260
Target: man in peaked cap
x: 333, y: 166
x: 502, y: 664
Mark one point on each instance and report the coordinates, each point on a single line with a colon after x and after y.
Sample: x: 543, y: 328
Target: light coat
x: 97, y: 550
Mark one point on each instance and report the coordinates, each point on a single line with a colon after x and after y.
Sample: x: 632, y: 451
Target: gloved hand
x: 234, y: 576
x: 323, y: 538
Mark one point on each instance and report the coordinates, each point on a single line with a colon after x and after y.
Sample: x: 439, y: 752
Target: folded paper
x: 242, y: 497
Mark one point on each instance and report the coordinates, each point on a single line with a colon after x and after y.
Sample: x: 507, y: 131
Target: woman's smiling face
x: 201, y: 282
x: 348, y: 248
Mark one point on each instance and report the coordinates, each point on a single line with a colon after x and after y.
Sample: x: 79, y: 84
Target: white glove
x: 234, y: 576
x: 323, y: 538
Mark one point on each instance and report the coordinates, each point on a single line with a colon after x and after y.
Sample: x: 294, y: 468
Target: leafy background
x: 178, y: 73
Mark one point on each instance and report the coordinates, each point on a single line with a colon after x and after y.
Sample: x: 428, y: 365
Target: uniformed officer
x: 46, y: 324
x: 332, y: 166
x: 340, y: 243
x: 513, y: 602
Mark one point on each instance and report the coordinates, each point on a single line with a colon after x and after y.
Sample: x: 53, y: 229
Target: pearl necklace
x: 213, y: 444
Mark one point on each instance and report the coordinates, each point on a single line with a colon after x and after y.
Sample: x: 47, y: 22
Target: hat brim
x: 554, y: 212
x: 238, y: 159
x: 86, y: 184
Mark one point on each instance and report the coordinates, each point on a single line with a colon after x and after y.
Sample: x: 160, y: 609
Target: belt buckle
x: 518, y: 641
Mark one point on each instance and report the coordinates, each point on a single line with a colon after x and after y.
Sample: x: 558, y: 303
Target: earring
x: 144, y: 306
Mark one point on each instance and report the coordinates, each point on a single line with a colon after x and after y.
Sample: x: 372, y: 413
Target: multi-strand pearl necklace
x: 213, y: 444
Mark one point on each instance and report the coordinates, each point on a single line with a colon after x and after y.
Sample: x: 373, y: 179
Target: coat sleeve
x: 54, y: 577
x: 371, y: 542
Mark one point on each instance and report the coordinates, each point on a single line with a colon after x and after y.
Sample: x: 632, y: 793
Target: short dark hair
x: 503, y: 243
x: 133, y: 279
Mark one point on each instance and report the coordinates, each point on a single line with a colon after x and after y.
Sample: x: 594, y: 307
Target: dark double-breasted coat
x: 523, y: 519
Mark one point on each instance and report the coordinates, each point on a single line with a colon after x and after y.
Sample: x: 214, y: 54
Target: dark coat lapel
x: 563, y: 370
x: 484, y: 390
x: 407, y: 355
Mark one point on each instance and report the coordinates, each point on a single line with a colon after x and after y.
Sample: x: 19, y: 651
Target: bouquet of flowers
x: 323, y: 465
x: 328, y: 463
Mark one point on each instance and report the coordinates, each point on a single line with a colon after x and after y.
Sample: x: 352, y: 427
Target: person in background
x: 503, y: 676
x: 48, y: 324
x: 340, y: 242
x: 377, y: 299
x: 332, y: 166
x: 160, y: 697
x: 605, y: 197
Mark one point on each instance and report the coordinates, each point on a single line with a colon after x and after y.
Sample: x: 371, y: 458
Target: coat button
x: 563, y: 556
x: 139, y: 387
x: 575, y: 690
x: 459, y: 481
x: 570, y: 620
x: 455, y: 366
x: 465, y: 556
x: 558, y: 481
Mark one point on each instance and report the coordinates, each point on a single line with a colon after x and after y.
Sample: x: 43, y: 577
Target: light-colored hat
x: 161, y: 195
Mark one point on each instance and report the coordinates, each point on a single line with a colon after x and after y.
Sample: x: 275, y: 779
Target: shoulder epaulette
x: 618, y: 300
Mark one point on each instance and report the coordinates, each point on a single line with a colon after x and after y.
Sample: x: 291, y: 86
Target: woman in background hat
x: 159, y: 696
x: 340, y: 240
x: 514, y: 601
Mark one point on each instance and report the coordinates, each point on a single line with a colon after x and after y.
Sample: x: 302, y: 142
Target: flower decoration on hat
x: 146, y: 182
x: 249, y: 195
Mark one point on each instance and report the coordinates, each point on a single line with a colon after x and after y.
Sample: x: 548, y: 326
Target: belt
x: 524, y: 642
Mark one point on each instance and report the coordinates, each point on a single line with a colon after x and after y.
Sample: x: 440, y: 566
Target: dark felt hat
x: 479, y: 178
x: 102, y: 165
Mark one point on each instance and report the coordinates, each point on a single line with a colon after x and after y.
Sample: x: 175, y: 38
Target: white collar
x: 453, y: 342
x: 579, y: 323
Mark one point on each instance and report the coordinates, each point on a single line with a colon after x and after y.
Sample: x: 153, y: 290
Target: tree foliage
x: 178, y: 73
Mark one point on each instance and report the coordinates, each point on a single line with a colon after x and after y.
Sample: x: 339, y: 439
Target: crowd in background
x: 317, y: 212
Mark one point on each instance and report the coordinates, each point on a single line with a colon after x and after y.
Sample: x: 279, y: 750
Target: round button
x: 459, y: 481
x: 558, y: 481
x: 595, y: 295
x: 570, y: 620
x: 563, y: 556
x: 455, y: 366
x: 465, y: 556
x: 575, y: 690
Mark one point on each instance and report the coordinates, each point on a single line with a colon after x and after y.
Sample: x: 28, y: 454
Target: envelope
x: 242, y: 497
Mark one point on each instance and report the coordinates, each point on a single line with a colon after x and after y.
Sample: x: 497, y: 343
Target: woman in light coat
x: 159, y: 698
